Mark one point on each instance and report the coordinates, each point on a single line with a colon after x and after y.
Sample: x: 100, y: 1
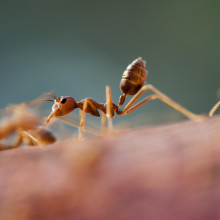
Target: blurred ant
x: 214, y: 108
x: 132, y: 83
x: 21, y: 121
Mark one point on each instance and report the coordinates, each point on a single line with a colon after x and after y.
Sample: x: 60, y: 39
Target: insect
x: 25, y: 124
x: 214, y: 108
x: 132, y: 83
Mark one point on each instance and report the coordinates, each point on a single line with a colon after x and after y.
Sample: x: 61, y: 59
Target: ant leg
x: 93, y: 107
x: 94, y: 110
x: 138, y: 105
x: 109, y: 108
x: 89, y: 106
x: 103, y: 123
x: 162, y: 97
x: 214, y: 108
x: 136, y: 96
x: 82, y: 119
x: 33, y: 139
x: 72, y: 123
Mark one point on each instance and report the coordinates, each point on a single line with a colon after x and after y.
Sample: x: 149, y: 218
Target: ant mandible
x: 132, y: 83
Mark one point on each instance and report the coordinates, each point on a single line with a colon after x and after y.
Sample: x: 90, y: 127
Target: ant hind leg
x: 214, y: 108
x: 162, y: 97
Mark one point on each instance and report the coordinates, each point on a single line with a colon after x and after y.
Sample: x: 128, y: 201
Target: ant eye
x: 63, y: 100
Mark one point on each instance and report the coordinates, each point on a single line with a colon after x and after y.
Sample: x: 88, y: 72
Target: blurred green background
x: 76, y: 48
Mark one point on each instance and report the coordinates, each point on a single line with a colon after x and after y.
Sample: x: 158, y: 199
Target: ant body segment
x: 132, y: 83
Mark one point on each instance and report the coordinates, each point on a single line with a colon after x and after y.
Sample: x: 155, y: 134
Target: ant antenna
x: 51, y: 94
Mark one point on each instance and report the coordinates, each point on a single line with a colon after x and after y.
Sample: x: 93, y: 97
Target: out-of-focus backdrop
x: 76, y: 48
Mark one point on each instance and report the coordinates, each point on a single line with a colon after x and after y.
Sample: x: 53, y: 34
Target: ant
x: 21, y: 121
x: 132, y: 83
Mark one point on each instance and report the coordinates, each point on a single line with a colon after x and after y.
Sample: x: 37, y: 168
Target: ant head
x: 62, y: 106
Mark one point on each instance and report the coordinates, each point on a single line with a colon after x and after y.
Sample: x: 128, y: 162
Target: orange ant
x: 132, y: 83
x: 26, y: 125
x: 21, y: 121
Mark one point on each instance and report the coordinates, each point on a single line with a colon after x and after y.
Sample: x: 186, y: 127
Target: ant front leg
x: 88, y: 106
x: 214, y: 108
x: 162, y: 97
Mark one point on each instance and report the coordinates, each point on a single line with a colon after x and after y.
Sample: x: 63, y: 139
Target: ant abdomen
x: 133, y: 77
